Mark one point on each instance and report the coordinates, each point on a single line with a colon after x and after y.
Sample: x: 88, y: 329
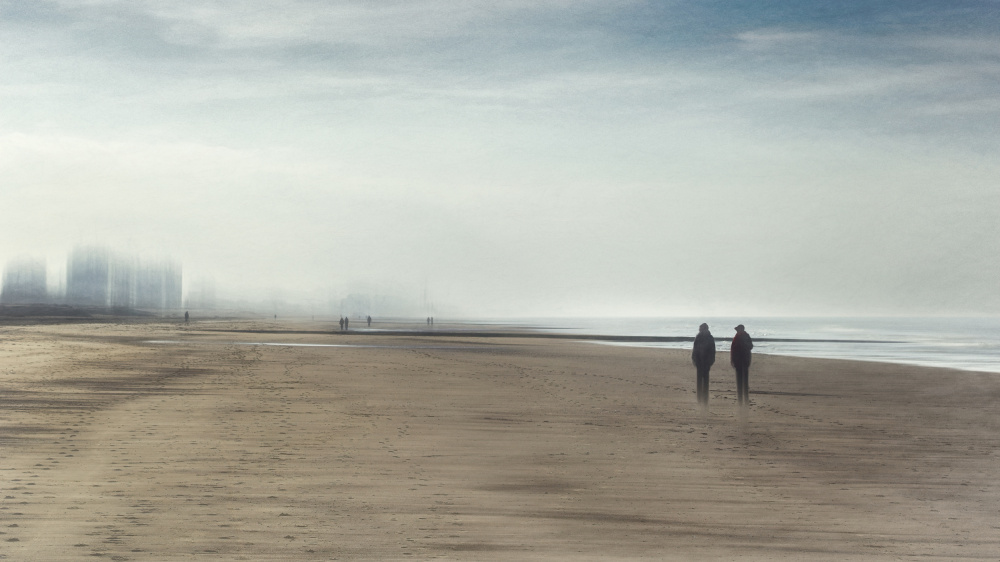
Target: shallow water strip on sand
x: 407, y: 447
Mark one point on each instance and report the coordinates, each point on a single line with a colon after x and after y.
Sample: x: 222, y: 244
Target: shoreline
x: 516, y: 332
x: 957, y: 347
x: 531, y: 332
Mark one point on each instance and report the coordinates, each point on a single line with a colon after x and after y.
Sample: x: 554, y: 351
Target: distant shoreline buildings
x: 24, y: 282
x: 97, y: 276
x: 101, y: 277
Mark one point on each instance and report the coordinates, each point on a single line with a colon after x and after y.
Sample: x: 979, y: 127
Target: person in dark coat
x: 703, y: 356
x: 739, y: 358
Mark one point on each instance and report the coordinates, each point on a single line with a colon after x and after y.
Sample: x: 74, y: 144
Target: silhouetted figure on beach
x: 347, y: 323
x: 369, y: 320
x: 341, y: 323
x: 703, y: 356
x: 739, y: 358
x: 428, y: 320
x: 186, y: 317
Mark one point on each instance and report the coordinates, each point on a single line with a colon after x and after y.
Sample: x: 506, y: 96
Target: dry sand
x: 477, y: 449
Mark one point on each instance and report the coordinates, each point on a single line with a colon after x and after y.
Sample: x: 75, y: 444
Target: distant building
x: 121, y: 281
x: 96, y: 276
x: 24, y: 282
x: 88, y: 276
x: 173, y: 287
x: 158, y: 285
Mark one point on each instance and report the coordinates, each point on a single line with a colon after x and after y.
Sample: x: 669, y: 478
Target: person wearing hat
x: 703, y: 356
x: 739, y: 358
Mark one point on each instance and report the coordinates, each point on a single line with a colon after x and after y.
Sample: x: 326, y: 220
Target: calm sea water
x: 971, y: 344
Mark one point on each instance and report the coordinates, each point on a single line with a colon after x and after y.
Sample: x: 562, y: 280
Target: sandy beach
x: 146, y: 441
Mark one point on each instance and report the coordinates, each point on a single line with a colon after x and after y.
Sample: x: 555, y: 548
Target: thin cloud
x: 773, y: 38
x: 522, y: 154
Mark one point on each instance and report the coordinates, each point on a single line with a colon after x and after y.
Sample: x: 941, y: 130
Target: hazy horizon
x: 517, y: 159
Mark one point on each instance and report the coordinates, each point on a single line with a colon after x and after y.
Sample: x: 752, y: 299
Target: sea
x: 970, y: 344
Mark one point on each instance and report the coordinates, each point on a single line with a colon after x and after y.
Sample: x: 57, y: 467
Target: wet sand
x: 477, y: 449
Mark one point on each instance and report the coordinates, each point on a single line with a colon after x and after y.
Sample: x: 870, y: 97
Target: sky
x: 518, y: 158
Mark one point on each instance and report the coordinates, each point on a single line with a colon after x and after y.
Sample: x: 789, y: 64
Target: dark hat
x: 738, y: 328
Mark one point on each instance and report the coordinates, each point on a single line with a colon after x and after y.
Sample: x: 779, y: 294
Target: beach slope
x: 406, y: 447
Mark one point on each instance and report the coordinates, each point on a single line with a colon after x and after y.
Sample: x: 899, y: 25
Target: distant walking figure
x: 703, y: 356
x: 369, y: 320
x: 739, y: 357
x: 342, y: 323
x: 346, y: 323
x: 185, y: 317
